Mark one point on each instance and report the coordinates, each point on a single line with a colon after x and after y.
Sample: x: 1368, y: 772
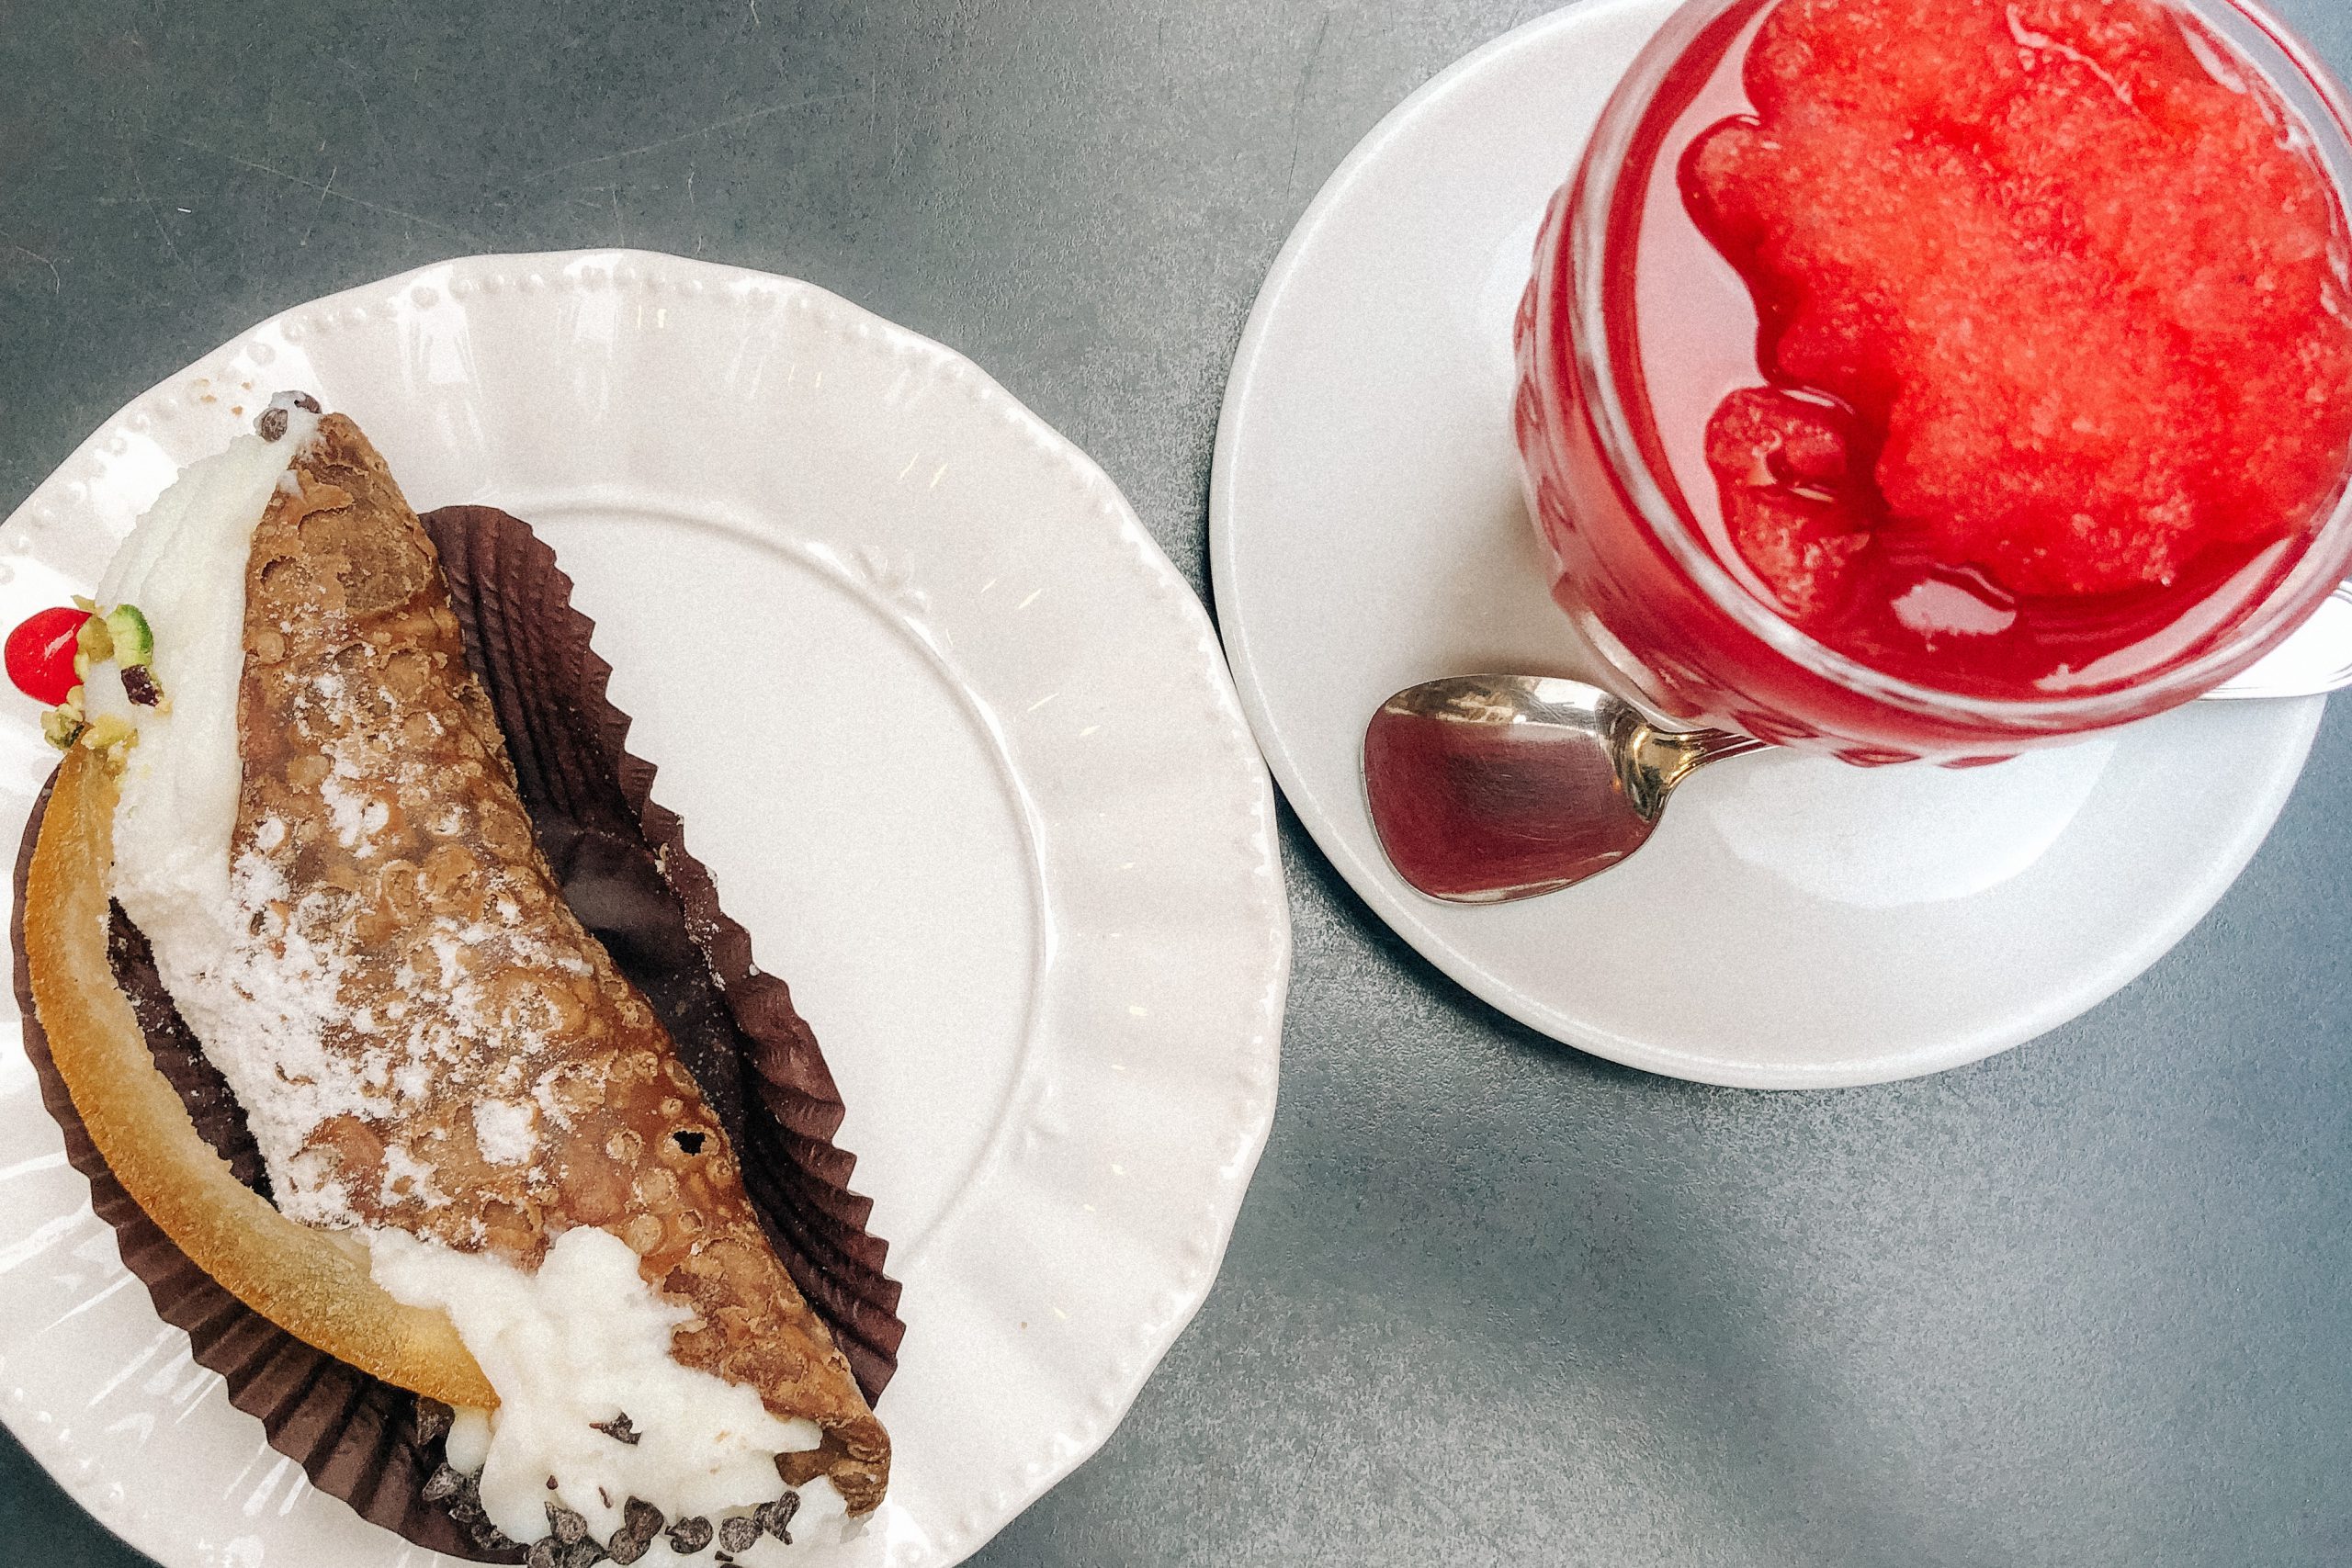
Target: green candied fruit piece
x: 134, y: 642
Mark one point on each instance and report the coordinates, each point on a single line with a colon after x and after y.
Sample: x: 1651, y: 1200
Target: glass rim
x: 2314, y: 574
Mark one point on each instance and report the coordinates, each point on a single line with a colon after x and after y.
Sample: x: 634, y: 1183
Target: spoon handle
x: 1704, y: 746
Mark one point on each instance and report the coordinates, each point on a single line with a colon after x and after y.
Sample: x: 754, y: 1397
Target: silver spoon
x: 1486, y: 788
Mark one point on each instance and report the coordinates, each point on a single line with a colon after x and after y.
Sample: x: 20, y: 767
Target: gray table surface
x: 1490, y: 1301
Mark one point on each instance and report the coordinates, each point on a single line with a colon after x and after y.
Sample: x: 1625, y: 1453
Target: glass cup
x: 1679, y: 631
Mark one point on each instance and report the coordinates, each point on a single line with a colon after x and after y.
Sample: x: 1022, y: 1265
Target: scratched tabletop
x: 2088, y: 1303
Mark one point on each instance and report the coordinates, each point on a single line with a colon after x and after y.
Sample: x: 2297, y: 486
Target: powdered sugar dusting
x: 264, y: 1005
x: 406, y: 1177
x: 504, y: 1130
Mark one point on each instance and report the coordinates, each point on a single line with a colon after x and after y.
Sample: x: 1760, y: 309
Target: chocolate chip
x: 550, y: 1479
x: 774, y: 1517
x: 641, y: 1518
x: 138, y: 685
x: 640, y: 1522
x: 690, y: 1142
x: 603, y: 1497
x: 619, y: 1429
x: 689, y: 1536
x: 739, y: 1533
x: 544, y: 1554
x: 304, y: 402
x: 568, y: 1527
x: 432, y: 1419
x: 271, y: 426
x: 444, y: 1484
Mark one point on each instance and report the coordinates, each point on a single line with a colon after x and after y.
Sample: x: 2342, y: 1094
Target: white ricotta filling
x: 184, y: 566
x: 582, y: 1341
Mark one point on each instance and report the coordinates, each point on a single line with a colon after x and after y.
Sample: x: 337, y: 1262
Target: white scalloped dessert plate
x: 1795, y: 922
x: 967, y: 763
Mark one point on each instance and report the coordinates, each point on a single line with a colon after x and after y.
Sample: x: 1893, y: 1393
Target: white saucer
x: 1795, y: 922
x: 979, y: 788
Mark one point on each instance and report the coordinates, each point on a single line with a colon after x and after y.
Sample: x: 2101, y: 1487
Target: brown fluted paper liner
x: 625, y: 870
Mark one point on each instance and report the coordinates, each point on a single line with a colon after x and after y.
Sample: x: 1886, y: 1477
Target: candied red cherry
x: 41, y: 654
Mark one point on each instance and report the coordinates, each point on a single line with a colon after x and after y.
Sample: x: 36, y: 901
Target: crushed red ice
x: 2083, y: 297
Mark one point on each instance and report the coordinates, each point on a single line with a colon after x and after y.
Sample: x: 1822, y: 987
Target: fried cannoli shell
x: 379, y: 793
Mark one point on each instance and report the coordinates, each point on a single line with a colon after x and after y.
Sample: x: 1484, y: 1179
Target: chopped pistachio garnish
x: 63, y: 724
x: 93, y: 644
x: 61, y: 728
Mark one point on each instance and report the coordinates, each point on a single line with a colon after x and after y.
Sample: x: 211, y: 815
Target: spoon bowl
x: 1487, y: 788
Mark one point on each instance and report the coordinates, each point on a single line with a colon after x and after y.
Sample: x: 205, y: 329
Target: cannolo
x: 494, y: 1179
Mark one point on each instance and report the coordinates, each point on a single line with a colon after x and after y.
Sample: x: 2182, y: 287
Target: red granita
x: 2053, y: 299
